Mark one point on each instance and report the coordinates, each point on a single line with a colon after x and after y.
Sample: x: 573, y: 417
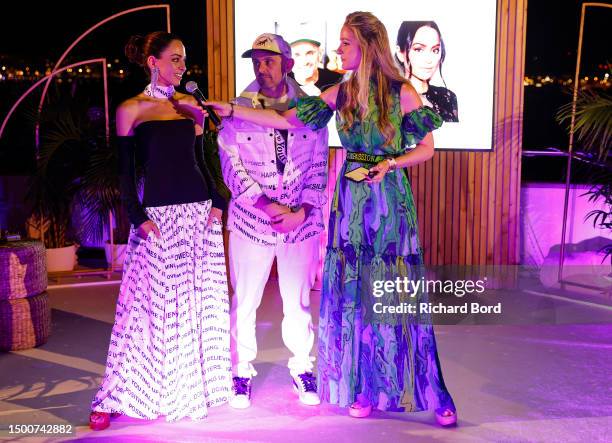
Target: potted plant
x: 100, y: 197
x: 68, y: 139
x: 59, y: 164
x: 593, y: 130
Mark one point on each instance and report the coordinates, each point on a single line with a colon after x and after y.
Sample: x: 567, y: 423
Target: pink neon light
x: 81, y: 37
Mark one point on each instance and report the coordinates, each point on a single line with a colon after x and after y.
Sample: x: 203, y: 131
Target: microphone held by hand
x: 192, y: 88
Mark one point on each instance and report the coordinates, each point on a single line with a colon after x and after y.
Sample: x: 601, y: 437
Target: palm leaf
x: 601, y: 192
x: 99, y: 191
x: 593, y: 124
x: 62, y: 152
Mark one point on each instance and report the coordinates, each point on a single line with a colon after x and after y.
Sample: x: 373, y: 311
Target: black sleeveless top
x: 174, y: 171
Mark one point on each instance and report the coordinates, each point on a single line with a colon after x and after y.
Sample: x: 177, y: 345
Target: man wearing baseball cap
x: 277, y: 179
x: 308, y: 56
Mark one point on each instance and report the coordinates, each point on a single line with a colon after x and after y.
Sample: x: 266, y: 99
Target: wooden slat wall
x: 467, y: 202
x: 220, y: 45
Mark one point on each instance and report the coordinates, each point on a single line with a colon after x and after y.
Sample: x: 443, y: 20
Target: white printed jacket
x: 248, y: 163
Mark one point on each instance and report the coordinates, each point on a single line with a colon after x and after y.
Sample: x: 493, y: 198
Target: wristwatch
x: 392, y: 163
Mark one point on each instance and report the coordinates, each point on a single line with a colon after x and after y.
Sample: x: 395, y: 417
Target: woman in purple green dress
x: 367, y: 360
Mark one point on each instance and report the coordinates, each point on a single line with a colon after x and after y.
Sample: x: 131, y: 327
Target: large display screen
x: 445, y: 48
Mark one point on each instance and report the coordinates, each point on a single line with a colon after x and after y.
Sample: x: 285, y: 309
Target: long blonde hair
x: 376, y: 64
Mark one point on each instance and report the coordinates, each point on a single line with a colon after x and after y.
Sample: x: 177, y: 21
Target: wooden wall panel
x: 467, y: 202
x: 475, y: 213
x: 220, y: 45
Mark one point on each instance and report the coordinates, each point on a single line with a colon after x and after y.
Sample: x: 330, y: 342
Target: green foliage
x: 99, y: 195
x: 593, y: 130
x: 602, y: 193
x: 64, y: 142
x: 76, y: 167
x: 593, y: 124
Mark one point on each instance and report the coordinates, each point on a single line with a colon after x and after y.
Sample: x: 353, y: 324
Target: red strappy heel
x: 98, y: 421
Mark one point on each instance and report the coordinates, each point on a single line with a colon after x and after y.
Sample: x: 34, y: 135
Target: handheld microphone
x: 192, y: 88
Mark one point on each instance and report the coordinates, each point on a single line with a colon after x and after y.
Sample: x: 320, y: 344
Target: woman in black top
x: 421, y: 52
x: 169, y: 348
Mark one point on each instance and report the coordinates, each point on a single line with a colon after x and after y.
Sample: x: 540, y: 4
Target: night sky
x: 54, y: 25
x: 552, y: 31
x: 552, y: 37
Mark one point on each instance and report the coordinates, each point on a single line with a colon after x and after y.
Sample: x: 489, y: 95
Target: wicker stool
x: 24, y: 322
x: 23, y: 269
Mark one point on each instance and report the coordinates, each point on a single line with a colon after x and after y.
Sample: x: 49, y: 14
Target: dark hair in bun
x: 139, y: 48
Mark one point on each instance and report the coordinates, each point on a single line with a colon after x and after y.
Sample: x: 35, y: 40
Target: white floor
x: 536, y: 383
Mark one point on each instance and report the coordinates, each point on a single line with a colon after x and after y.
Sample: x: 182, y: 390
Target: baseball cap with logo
x: 270, y: 42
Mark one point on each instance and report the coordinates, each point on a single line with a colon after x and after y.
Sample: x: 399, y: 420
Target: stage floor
x: 511, y: 383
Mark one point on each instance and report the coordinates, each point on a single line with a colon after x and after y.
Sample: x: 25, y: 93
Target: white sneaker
x: 241, y: 397
x: 305, y: 385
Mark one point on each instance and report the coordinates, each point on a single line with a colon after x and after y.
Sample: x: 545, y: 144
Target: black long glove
x: 127, y: 181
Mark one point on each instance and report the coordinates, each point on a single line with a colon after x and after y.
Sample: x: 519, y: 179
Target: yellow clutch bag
x: 357, y: 175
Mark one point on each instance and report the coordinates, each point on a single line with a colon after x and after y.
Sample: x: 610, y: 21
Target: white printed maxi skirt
x: 169, y: 349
